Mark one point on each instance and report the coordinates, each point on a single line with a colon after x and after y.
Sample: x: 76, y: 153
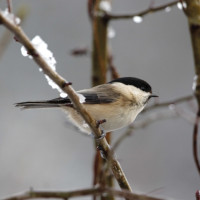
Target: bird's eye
x: 142, y: 88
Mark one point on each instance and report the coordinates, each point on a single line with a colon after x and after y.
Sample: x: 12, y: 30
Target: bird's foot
x: 97, y: 138
x: 99, y: 122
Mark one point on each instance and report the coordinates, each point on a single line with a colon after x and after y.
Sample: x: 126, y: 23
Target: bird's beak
x: 153, y: 95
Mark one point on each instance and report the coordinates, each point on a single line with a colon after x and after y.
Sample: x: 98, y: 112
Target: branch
x: 112, y: 68
x: 192, y: 11
x: 167, y: 103
x: 141, y: 14
x: 9, y: 5
x: 195, y: 144
x: 65, y: 86
x: 99, y: 70
x: 154, y: 118
x: 99, y: 47
x: 7, y: 36
x: 79, y: 193
x: 142, y: 124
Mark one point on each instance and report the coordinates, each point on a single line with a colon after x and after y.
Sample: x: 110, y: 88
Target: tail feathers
x: 45, y: 104
x: 36, y: 104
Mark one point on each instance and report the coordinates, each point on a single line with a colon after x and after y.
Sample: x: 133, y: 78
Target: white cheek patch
x: 140, y: 96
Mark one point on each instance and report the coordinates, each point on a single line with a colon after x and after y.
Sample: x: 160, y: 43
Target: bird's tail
x: 44, y: 104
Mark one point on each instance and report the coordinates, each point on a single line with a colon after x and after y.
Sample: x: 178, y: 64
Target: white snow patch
x: 184, y: 4
x: 137, y: 19
x: 105, y: 6
x: 47, y: 55
x: 180, y: 6
x: 171, y: 107
x: 11, y: 17
x: 81, y: 98
x: 111, y: 32
x: 194, y: 83
x: 168, y: 9
x: 63, y: 95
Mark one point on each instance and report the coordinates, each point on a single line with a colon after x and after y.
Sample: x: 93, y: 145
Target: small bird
x: 116, y: 103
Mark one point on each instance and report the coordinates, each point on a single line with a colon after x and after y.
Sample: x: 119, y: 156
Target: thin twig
x: 142, y: 124
x: 112, y: 68
x: 80, y: 51
x: 153, y: 117
x: 7, y: 35
x: 167, y: 103
x: 141, y: 14
x: 79, y: 193
x: 9, y: 5
x: 63, y: 84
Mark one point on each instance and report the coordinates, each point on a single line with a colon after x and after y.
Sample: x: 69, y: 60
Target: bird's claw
x: 103, y: 134
x: 97, y: 138
x: 99, y: 122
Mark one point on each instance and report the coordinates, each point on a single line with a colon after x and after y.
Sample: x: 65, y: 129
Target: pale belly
x: 115, y: 119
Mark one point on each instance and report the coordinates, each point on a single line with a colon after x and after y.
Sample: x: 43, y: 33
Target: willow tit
x: 117, y: 102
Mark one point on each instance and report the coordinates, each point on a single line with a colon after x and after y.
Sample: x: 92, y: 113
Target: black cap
x: 139, y: 83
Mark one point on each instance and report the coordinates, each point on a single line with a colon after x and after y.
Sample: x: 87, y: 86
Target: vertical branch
x: 99, y: 46
x: 195, y: 143
x: 192, y: 11
x: 9, y: 4
x: 99, y: 69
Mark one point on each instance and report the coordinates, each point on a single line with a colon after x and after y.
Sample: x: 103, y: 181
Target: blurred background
x: 39, y: 149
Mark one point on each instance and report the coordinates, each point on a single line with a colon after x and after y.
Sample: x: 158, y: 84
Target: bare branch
x: 63, y: 84
x: 143, y: 124
x: 192, y: 10
x: 167, y: 103
x: 154, y: 117
x: 112, y: 68
x: 7, y: 36
x: 79, y: 193
x: 9, y: 4
x: 81, y: 51
x: 142, y: 13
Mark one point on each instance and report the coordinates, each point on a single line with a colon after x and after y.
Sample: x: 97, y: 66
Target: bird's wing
x: 100, y: 94
x: 96, y: 95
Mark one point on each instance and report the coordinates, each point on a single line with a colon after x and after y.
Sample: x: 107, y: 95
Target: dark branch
x: 112, y: 68
x: 167, y: 103
x: 81, y: 51
x: 142, y: 13
x: 195, y: 143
